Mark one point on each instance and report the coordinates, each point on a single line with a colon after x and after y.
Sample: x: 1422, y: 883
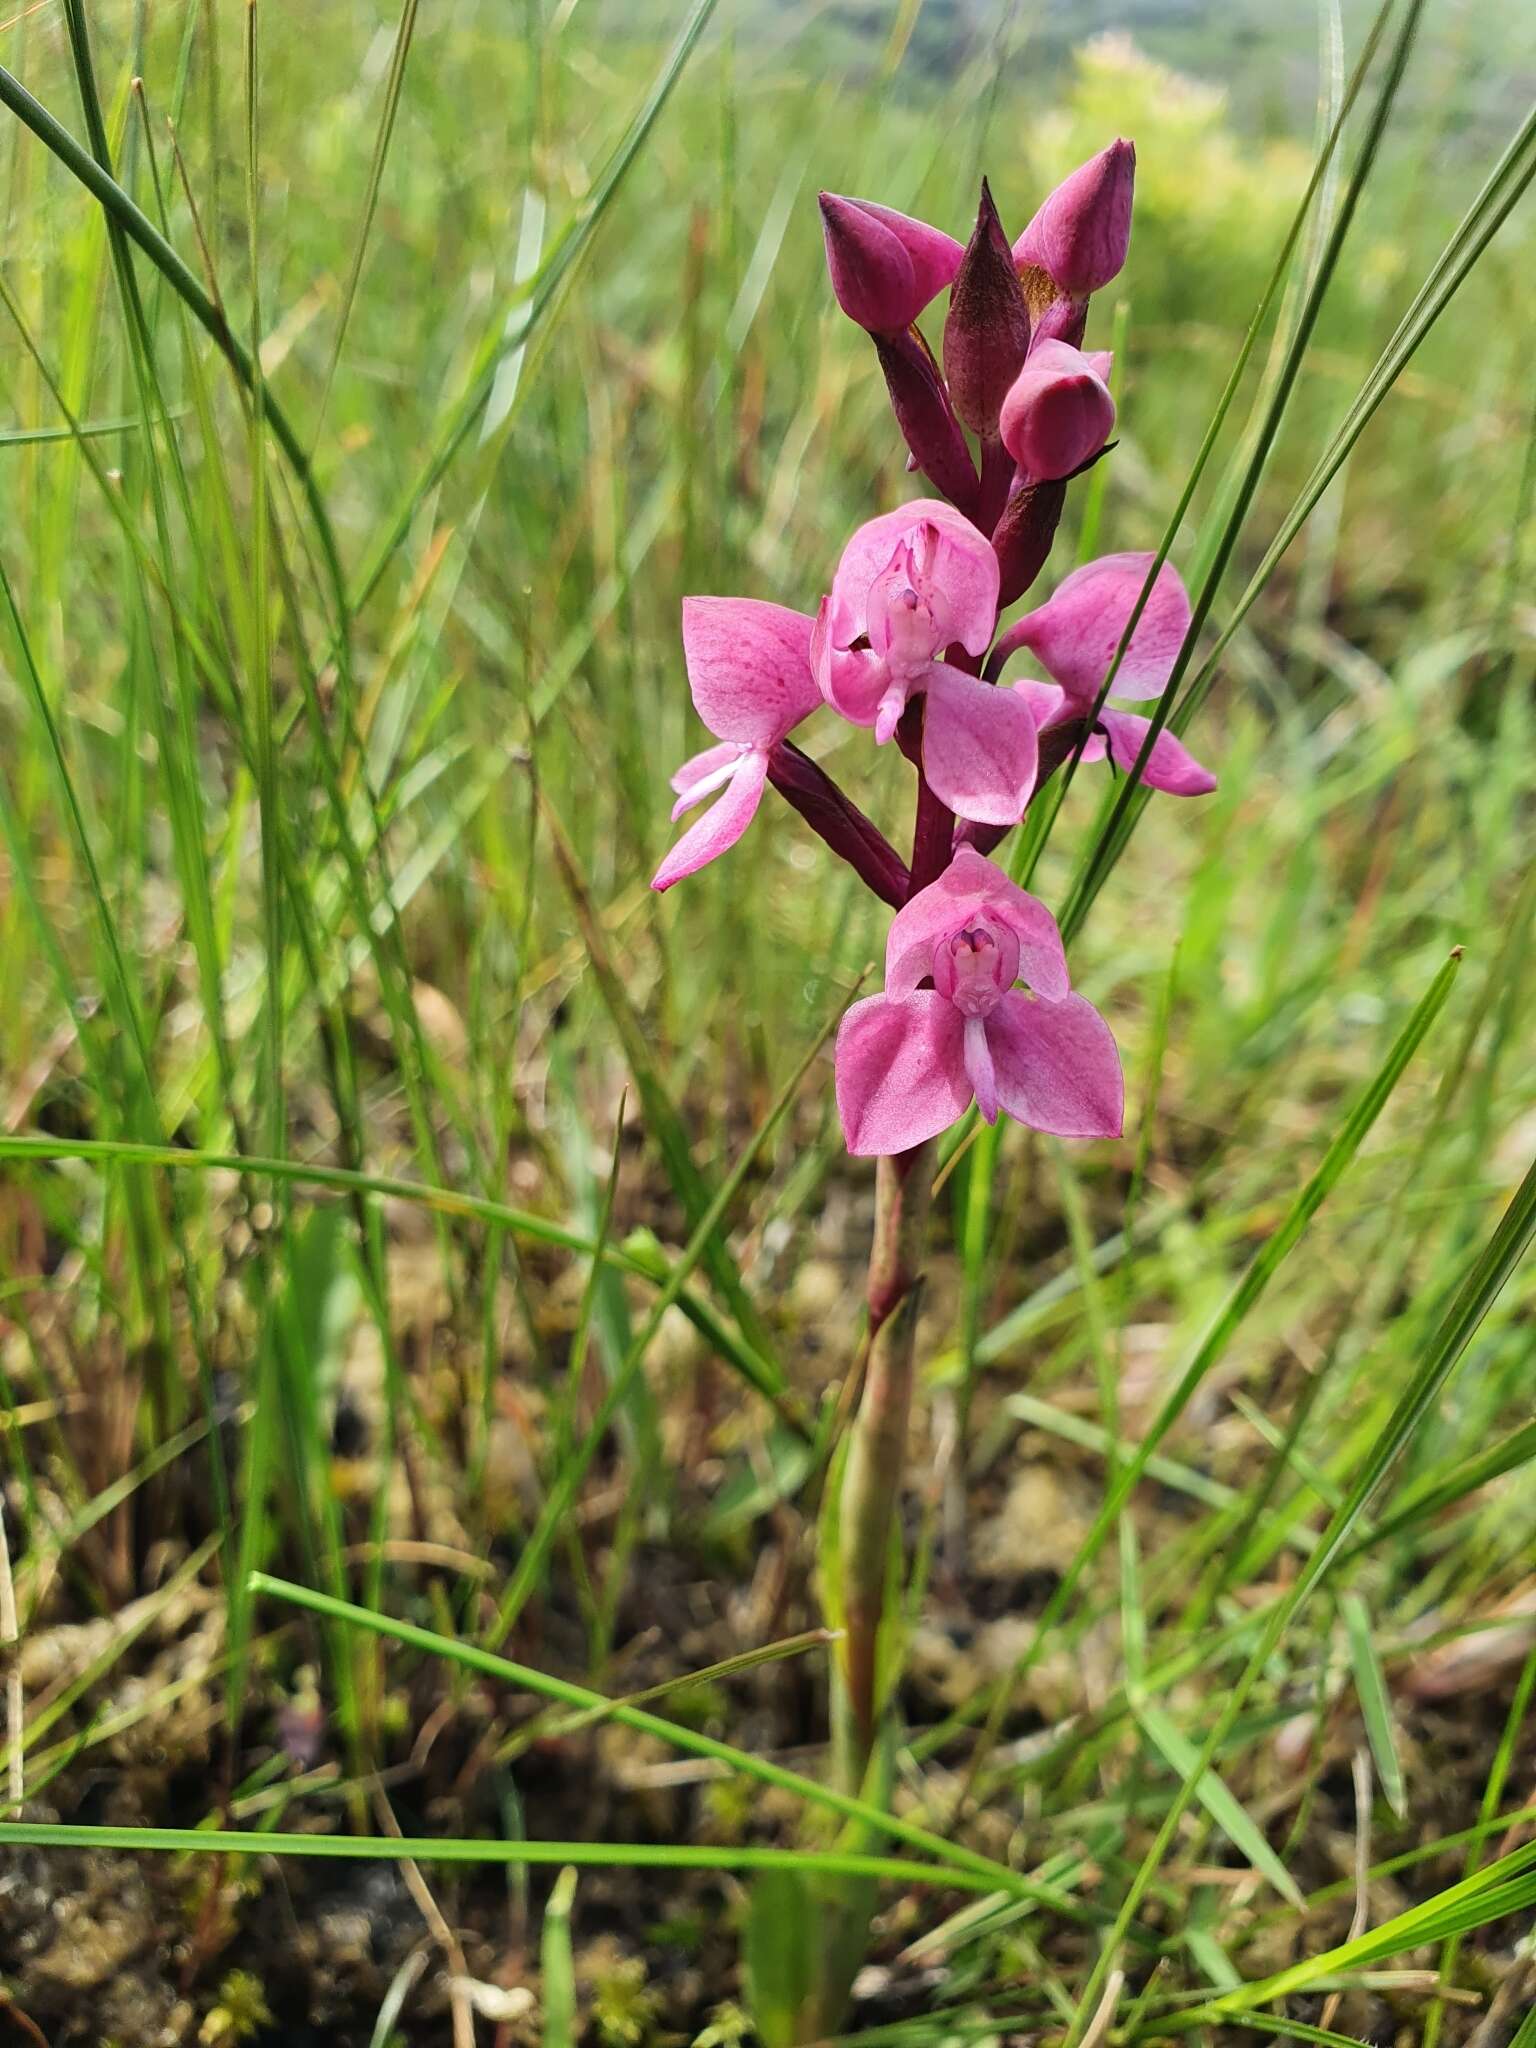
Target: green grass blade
x: 141, y: 230
x: 1228, y: 1813
x: 214, y: 1841
x: 554, y: 280
x: 573, y: 1467
x: 647, y: 1261
x: 557, y: 1965
x: 398, y: 57
x: 1505, y: 186
x: 1375, y: 1702
x: 1474, y: 1903
x: 1133, y: 792
x: 662, y: 1117
x: 997, y: 1875
x: 1428, y: 1499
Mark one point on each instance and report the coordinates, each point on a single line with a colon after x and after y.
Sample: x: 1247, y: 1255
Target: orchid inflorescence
x: 906, y: 643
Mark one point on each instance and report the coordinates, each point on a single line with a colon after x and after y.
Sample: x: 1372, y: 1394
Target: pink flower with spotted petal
x: 960, y: 566
x: 910, y: 1061
x: 910, y: 585
x: 749, y: 668
x: 1074, y: 636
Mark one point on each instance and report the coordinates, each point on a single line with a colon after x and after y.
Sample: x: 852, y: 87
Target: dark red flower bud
x: 986, y: 333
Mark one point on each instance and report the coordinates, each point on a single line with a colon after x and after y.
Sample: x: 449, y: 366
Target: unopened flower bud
x: 1080, y: 235
x: 1058, y: 413
x: 884, y: 266
x: 986, y: 335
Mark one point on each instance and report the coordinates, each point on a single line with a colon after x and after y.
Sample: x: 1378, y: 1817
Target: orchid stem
x: 933, y: 826
x: 877, y: 1443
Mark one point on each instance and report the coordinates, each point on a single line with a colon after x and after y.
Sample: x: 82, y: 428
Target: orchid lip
x: 980, y: 1069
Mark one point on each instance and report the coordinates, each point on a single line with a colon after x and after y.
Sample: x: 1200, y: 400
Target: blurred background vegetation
x: 259, y: 895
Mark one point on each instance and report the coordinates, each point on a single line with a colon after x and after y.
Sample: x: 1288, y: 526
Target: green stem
x: 877, y: 1444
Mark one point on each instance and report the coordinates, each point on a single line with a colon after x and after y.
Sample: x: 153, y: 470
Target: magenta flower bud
x: 1058, y: 413
x: 884, y: 266
x: 986, y: 335
x: 1080, y: 235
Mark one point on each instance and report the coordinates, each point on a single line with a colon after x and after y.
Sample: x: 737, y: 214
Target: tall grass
x: 377, y: 384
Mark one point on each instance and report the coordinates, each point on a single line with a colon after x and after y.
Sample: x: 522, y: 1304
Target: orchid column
x: 978, y: 1005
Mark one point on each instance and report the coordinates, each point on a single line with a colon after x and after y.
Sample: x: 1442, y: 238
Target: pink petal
x: 970, y: 886
x: 1076, y: 632
x: 893, y: 703
x: 851, y: 681
x: 1057, y: 1067
x: 721, y: 825
x: 980, y: 751
x: 749, y: 667
x: 1047, y: 702
x: 1170, y: 766
x: 966, y: 566
x: 701, y: 773
x: 979, y: 1069
x: 934, y: 256
x: 900, y: 1072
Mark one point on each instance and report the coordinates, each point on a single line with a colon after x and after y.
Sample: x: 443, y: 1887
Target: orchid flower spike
x: 884, y: 266
x: 1058, y: 413
x: 909, y: 1062
x: 911, y: 584
x: 1074, y: 637
x: 749, y: 668
x: 1080, y: 236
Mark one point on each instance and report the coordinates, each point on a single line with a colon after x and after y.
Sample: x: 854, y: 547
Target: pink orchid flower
x: 749, y: 668
x: 909, y: 1062
x: 911, y: 584
x: 1074, y: 636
